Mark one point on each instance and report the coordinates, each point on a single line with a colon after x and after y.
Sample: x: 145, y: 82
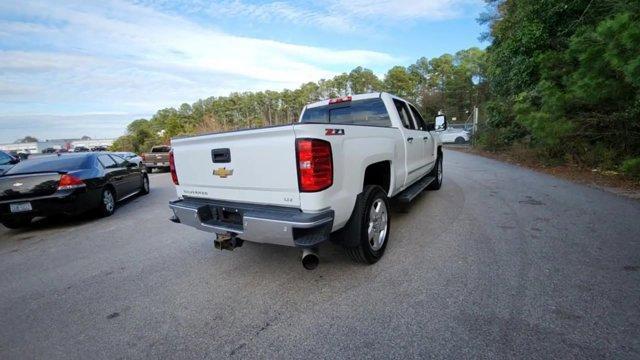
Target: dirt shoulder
x: 606, y: 180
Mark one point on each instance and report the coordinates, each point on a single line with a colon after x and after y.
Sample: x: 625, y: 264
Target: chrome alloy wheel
x: 439, y: 165
x: 378, y: 224
x: 145, y: 184
x: 108, y: 200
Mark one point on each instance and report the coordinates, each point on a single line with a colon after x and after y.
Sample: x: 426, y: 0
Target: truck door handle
x: 410, y: 139
x: 425, y: 138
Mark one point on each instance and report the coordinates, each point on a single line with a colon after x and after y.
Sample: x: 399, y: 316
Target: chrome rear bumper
x: 256, y: 223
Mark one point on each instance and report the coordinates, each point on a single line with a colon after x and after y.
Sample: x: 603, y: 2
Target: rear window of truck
x: 371, y: 112
x: 160, y: 149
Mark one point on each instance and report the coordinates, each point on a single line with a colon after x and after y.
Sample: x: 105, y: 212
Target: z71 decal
x: 334, y: 132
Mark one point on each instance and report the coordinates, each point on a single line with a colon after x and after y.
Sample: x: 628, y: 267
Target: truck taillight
x: 172, y: 168
x: 70, y: 182
x: 340, y: 100
x: 315, y: 164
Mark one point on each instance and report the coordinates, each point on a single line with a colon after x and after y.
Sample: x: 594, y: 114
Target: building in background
x: 91, y: 143
x: 38, y: 147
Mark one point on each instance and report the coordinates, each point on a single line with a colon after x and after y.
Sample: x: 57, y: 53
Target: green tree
x: 401, y: 82
x: 255, y: 109
x: 363, y: 80
x: 565, y: 75
x: 27, y: 139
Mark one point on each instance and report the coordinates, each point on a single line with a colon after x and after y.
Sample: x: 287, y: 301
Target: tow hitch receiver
x: 227, y: 242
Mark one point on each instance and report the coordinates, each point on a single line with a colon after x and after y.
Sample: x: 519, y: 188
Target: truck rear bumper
x: 257, y: 223
x: 154, y: 165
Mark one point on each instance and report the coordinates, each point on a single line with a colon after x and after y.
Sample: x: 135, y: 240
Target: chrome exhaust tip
x: 310, y: 259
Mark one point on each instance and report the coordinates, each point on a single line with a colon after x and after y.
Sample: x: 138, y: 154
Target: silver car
x: 131, y: 157
x: 453, y: 135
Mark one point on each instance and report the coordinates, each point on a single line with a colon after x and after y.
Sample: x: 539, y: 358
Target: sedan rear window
x: 51, y: 163
x: 371, y: 112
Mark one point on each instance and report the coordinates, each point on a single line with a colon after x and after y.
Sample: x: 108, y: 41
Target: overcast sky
x: 71, y: 68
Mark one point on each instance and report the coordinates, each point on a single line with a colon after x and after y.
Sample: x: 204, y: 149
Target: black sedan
x: 67, y: 184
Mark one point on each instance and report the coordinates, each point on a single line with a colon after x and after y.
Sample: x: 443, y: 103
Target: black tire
x: 145, y: 188
x: 17, y: 222
x: 459, y: 140
x: 437, y: 172
x: 360, y: 247
x: 106, y: 207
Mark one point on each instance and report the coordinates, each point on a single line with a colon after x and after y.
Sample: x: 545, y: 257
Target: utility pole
x: 475, y: 119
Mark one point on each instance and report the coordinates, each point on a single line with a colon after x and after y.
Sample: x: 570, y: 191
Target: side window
x: 4, y: 158
x: 419, y: 120
x: 403, y: 111
x: 120, y: 162
x: 107, y: 162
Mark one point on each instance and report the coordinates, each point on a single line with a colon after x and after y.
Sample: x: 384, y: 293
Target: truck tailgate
x: 156, y: 157
x: 253, y: 166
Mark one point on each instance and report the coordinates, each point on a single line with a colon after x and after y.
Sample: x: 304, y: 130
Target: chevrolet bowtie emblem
x: 223, y: 172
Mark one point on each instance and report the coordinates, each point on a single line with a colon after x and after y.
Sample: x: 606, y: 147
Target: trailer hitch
x: 227, y: 242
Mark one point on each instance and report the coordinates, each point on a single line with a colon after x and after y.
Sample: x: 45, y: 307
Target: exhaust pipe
x: 310, y: 259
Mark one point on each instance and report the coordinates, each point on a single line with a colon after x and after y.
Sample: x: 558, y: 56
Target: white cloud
x: 40, y: 61
x: 44, y: 126
x: 121, y: 56
x: 400, y: 10
x: 332, y: 15
x: 77, y: 57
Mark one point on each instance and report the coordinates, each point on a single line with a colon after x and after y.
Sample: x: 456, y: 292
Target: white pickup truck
x: 330, y: 176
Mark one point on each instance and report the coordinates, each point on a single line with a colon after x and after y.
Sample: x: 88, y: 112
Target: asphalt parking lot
x: 502, y: 262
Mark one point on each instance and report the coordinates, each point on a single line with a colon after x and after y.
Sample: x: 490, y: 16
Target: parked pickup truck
x: 158, y: 158
x: 330, y: 176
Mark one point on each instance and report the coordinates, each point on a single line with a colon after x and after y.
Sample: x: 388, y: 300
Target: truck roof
x: 353, y: 98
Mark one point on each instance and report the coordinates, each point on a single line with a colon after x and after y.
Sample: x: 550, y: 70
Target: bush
x: 631, y: 167
x: 493, y: 139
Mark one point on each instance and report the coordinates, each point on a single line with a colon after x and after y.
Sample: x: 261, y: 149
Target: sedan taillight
x: 172, y: 168
x: 70, y: 182
x: 315, y: 164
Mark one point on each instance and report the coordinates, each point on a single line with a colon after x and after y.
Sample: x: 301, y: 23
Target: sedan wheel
x: 108, y: 203
x: 144, y: 190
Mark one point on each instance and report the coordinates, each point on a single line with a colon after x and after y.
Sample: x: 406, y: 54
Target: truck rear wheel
x: 367, y: 232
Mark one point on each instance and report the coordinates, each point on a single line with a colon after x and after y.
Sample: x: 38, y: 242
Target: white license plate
x: 20, y: 207
x: 161, y: 164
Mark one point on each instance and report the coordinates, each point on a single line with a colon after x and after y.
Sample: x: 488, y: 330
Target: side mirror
x: 14, y: 161
x: 441, y: 123
x: 131, y: 165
